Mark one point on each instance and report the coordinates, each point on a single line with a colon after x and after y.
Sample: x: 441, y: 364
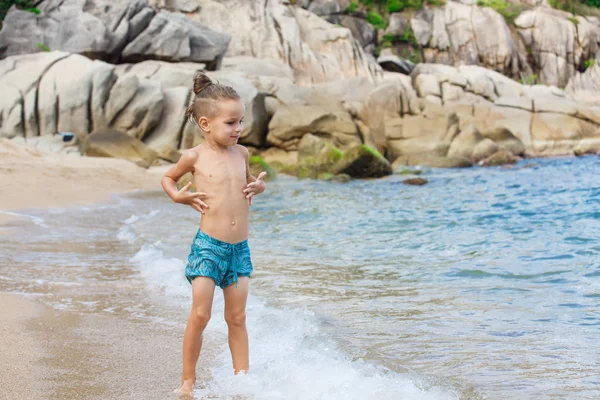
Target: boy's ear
x: 203, y: 124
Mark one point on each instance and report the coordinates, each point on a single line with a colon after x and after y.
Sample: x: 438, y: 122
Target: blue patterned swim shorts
x: 221, y: 261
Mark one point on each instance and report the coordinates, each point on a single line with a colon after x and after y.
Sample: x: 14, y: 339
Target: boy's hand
x: 192, y: 199
x: 256, y: 187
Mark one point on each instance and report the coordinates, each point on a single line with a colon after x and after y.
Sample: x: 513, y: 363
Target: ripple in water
x: 482, y: 284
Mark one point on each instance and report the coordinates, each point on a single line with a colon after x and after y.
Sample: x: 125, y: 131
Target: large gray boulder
x: 135, y: 106
x: 500, y: 157
x: 430, y: 160
x: 19, y: 80
x: 391, y: 100
x: 585, y: 87
x: 316, y: 50
x: 115, y: 144
x: 328, y: 7
x: 128, y: 31
x: 316, y: 156
x: 559, y: 42
x: 363, y: 31
x: 429, y: 132
x: 393, y: 63
x: 527, y: 120
x: 362, y: 161
x: 174, y: 37
x: 49, y: 92
x: 459, y: 34
x: 98, y: 29
x: 290, y: 124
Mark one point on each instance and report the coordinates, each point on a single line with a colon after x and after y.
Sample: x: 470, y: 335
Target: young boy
x: 220, y: 254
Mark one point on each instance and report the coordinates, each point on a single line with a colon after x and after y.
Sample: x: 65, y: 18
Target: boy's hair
x: 204, y: 96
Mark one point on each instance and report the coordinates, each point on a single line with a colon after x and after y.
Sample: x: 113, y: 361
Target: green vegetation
x: 531, y: 79
x: 371, y: 150
x: 43, y: 47
x: 589, y: 63
x: 401, y: 5
x: 408, y: 171
x: 392, y: 6
x: 375, y: 19
x: 413, y: 55
x: 325, y: 176
x: 577, y: 7
x: 378, y: 10
x: 410, y: 50
x: 352, y: 7
x: 529, y: 50
x: 258, y: 165
x: 573, y: 20
x: 509, y: 11
x: 408, y: 37
x: 388, y: 40
x: 26, y: 5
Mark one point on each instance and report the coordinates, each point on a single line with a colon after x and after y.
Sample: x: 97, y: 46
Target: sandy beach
x: 34, y: 178
x: 53, y: 354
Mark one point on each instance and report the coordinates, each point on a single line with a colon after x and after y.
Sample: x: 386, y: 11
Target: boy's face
x: 227, y: 124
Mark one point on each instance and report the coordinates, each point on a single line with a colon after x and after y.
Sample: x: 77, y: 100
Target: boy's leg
x: 235, y: 316
x: 203, y: 290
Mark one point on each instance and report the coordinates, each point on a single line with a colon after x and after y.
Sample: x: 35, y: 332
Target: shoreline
x: 43, y: 346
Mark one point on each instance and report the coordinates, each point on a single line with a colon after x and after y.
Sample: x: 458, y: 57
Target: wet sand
x: 20, y: 368
x: 50, y: 354
x: 54, y: 354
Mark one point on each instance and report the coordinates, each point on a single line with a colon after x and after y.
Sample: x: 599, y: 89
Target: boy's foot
x: 187, y: 387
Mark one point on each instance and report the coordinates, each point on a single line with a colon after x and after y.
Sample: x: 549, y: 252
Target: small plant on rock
x: 401, y: 5
x: 26, y: 5
x: 352, y: 7
x: 531, y: 79
x: 376, y: 20
x: 509, y: 11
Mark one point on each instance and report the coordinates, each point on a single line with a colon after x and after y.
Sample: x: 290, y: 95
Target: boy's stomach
x: 227, y: 222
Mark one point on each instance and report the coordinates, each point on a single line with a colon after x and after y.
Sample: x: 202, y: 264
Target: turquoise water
x: 484, y: 283
x: 490, y: 276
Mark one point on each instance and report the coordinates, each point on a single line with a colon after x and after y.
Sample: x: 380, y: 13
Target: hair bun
x: 201, y: 82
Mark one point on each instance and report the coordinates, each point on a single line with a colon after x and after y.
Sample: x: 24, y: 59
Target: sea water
x: 482, y: 284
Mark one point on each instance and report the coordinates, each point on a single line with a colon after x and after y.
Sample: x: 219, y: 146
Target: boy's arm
x: 255, y: 185
x: 169, y: 182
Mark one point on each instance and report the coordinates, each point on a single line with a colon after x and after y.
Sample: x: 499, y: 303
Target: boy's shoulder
x: 243, y: 150
x: 190, y: 155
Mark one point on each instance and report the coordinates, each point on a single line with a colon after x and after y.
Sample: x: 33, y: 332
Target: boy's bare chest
x: 219, y: 172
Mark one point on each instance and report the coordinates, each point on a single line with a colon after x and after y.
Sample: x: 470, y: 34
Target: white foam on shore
x: 290, y: 356
x: 36, y: 220
x: 162, y: 273
x: 125, y: 233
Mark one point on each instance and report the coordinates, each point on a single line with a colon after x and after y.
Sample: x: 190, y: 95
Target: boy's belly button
x: 232, y: 223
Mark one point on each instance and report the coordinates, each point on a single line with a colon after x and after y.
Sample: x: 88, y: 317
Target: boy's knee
x: 237, y: 319
x: 201, y: 316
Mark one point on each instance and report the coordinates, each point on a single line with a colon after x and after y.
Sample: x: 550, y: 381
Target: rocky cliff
x: 312, y: 92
